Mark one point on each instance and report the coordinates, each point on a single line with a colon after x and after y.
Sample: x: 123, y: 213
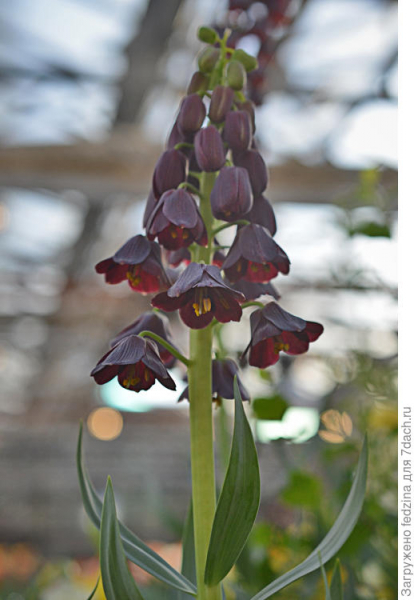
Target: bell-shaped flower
x: 231, y: 197
x: 137, y: 364
x: 150, y: 321
x: 273, y: 330
x: 223, y: 372
x: 209, y: 149
x: 138, y: 261
x: 256, y: 167
x: 255, y: 256
x: 200, y: 294
x: 221, y: 103
x: 191, y: 115
x: 176, y: 221
x: 237, y: 132
x: 262, y: 213
x: 252, y: 291
x: 169, y: 172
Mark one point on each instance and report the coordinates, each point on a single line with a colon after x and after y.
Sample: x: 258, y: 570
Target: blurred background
x: 89, y: 90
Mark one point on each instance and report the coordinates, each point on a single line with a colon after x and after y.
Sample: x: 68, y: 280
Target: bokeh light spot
x: 105, y: 423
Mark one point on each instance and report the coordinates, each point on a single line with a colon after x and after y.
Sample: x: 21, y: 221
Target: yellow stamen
x: 202, y: 305
x: 278, y: 346
x: 185, y: 234
x: 173, y: 233
x: 206, y: 305
x: 133, y: 277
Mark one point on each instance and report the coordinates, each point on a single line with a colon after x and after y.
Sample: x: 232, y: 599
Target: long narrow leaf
x: 336, y: 583
x: 239, y: 500
x: 325, y: 580
x: 92, y: 594
x: 336, y: 536
x: 188, y: 564
x: 135, y: 549
x: 117, y: 580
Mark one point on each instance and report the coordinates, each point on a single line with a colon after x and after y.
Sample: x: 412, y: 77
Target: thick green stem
x: 201, y: 418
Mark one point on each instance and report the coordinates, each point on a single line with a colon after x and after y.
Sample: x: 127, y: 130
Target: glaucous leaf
x: 239, y: 500
x: 336, y: 582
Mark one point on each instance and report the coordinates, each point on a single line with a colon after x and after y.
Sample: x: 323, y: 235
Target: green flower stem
x: 183, y: 145
x: 190, y: 187
x: 166, y: 345
x: 253, y: 303
x: 226, y: 225
x: 201, y: 417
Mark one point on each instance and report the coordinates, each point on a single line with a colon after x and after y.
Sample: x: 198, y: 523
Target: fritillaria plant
x: 210, y: 177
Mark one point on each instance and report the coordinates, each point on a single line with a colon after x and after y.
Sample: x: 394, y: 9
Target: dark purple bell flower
x: 255, y: 256
x: 252, y: 290
x: 223, y: 372
x: 221, y: 102
x: 237, y: 130
x: 169, y: 172
x: 137, y: 364
x: 256, y: 167
x: 176, y: 257
x: 209, y: 149
x: 273, y: 330
x: 231, y: 197
x: 200, y: 294
x: 150, y: 321
x: 149, y: 208
x: 176, y: 221
x: 192, y: 114
x: 262, y: 213
x: 139, y: 262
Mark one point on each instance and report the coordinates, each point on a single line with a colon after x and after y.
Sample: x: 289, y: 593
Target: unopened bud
x: 198, y: 83
x: 207, y: 35
x: 192, y: 114
x: 238, y: 130
x: 209, y: 149
x: 248, y: 106
x: 249, y: 62
x: 231, y: 196
x: 169, y: 172
x: 221, y: 102
x: 256, y: 167
x: 208, y: 59
x: 235, y: 75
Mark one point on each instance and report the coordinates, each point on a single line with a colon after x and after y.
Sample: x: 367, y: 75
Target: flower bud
x: 198, y: 83
x: 248, y: 106
x: 207, y: 35
x: 231, y: 197
x: 169, y: 172
x: 256, y: 167
x: 221, y: 102
x: 249, y: 62
x: 235, y: 75
x: 209, y: 149
x: 192, y: 114
x: 262, y: 214
x: 208, y: 59
x: 238, y: 130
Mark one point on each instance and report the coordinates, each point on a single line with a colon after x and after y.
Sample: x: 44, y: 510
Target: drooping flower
x: 231, y: 197
x: 200, y: 294
x: 192, y: 114
x: 137, y: 364
x: 150, y: 321
x: 221, y: 102
x: 209, y: 149
x: 237, y: 132
x: 223, y: 372
x: 274, y: 330
x: 263, y: 214
x: 176, y: 221
x: 169, y: 172
x: 139, y: 262
x: 255, y: 256
x: 256, y: 167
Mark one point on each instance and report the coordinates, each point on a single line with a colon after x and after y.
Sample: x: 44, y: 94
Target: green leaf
x: 372, y: 229
x: 188, y: 563
x: 336, y: 582
x: 336, y: 536
x: 117, y: 580
x: 303, y: 490
x: 239, y: 500
x: 325, y: 580
x: 92, y: 594
x: 135, y: 549
x: 270, y: 409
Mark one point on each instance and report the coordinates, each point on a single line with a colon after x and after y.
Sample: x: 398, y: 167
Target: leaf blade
x: 239, y: 500
x: 135, y: 549
x: 335, y: 537
x: 336, y: 582
x: 117, y: 580
x: 92, y: 594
